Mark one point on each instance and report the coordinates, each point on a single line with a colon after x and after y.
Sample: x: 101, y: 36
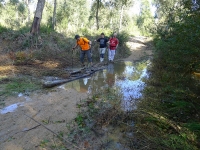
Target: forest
x: 36, y: 40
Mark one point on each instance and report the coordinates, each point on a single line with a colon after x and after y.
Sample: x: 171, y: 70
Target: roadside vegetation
x: 170, y: 108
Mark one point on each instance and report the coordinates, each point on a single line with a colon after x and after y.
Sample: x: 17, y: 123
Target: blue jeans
x: 82, y: 55
x: 102, y: 52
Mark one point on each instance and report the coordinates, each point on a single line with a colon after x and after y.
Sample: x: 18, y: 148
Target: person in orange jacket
x: 85, y: 45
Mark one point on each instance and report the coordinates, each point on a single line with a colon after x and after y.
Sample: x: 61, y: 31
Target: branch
x: 53, y: 132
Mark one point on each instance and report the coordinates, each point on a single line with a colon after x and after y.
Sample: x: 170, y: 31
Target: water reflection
x: 110, y: 75
x: 10, y: 108
x: 125, y: 77
x: 13, y: 107
x: 131, y: 90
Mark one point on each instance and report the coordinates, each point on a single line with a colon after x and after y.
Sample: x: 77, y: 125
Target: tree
x: 116, y: 12
x: 122, y: 4
x: 72, y: 15
x: 27, y: 3
x: 145, y: 19
x: 37, y: 18
x: 1, y: 3
x: 54, y: 15
x: 97, y: 11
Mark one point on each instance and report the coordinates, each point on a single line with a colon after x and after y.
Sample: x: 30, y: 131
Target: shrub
x: 3, y: 29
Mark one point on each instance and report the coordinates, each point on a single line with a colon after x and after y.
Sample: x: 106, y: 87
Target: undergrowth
x: 171, y: 98
x: 101, y: 123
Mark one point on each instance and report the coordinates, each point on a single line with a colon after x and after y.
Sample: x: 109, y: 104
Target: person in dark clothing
x: 102, y: 46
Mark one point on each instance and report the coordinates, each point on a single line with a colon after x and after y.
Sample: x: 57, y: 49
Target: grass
x: 19, y: 85
x: 44, y: 143
x: 174, y: 142
x: 2, y: 78
x: 80, y: 120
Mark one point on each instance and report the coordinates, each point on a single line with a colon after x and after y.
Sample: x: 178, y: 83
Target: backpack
x: 85, y: 41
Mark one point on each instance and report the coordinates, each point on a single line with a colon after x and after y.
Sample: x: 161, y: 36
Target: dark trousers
x: 82, y: 55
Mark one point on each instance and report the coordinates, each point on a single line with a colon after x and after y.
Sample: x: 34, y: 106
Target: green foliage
x: 172, y: 89
x: 123, y: 37
x: 175, y: 142
x: 3, y: 29
x: 80, y: 120
x: 19, y: 85
x: 145, y: 20
x: 193, y: 126
x: 21, y: 8
x: 44, y: 143
x: 14, y: 2
x: 23, y: 30
x: 46, y: 29
x: 106, y: 31
x: 84, y: 31
x: 71, y: 16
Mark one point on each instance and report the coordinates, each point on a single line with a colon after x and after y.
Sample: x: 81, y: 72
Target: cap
x: 77, y: 36
x: 102, y: 33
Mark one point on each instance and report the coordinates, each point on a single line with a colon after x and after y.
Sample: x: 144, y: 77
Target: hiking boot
x: 101, y: 60
x: 83, y: 65
x: 91, y: 64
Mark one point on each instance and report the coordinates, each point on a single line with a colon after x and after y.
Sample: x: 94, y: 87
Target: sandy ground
x: 139, y: 47
x: 22, y: 129
x: 55, y: 109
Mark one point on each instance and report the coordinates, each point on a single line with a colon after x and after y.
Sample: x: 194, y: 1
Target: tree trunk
x: 37, y: 18
x: 121, y: 17
x: 27, y: 3
x: 111, y: 20
x: 97, y: 14
x: 54, y: 15
x: 29, y: 12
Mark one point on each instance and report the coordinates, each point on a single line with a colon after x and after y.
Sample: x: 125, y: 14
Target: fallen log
x: 75, y: 72
x: 50, y: 84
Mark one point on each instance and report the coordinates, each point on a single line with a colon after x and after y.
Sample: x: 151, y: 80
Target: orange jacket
x: 83, y: 43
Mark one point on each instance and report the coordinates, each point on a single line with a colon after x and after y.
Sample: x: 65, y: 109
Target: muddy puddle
x: 127, y: 80
x: 125, y: 77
